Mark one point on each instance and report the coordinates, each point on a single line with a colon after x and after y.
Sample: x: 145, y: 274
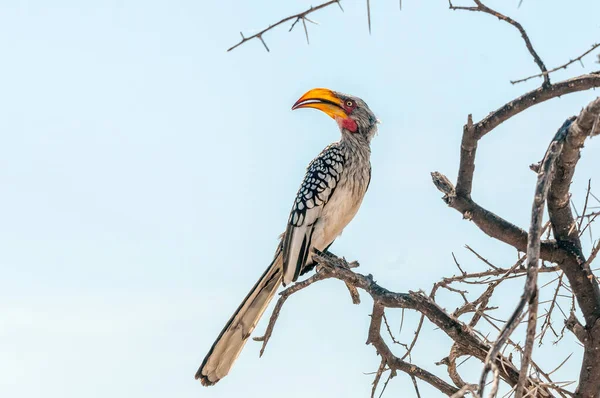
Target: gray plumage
x: 329, y: 197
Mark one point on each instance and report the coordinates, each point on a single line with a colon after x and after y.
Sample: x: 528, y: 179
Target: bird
x: 329, y: 197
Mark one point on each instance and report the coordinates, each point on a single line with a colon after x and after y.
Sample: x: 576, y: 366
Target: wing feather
x: 320, y: 181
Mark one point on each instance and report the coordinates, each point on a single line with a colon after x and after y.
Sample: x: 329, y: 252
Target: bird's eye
x: 349, y: 104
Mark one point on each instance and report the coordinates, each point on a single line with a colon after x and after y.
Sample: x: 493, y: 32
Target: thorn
x: 369, y: 14
x: 340, y: 5
x: 241, y: 34
x: 305, y: 31
x: 311, y: 21
x: 294, y: 24
x: 264, y: 44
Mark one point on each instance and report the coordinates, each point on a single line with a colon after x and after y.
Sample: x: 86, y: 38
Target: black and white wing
x: 320, y: 181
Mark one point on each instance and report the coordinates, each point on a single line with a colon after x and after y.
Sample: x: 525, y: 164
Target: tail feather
x: 229, y: 344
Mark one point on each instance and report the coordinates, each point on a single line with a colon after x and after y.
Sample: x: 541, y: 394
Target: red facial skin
x: 348, y: 123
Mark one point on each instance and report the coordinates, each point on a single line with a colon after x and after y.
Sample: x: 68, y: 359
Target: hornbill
x: 329, y: 197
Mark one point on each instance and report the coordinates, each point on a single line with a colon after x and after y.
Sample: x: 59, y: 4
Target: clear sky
x: 145, y: 175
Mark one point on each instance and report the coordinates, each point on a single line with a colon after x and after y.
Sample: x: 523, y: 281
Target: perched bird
x: 329, y: 197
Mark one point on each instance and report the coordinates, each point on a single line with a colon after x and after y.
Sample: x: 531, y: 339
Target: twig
x: 389, y: 330
x: 529, y: 340
x: 548, y: 320
x: 573, y: 324
x: 533, y: 252
x: 589, y: 223
x: 561, y: 364
x: 450, y: 362
x: 283, y: 297
x: 414, y: 341
x: 458, y: 265
x: 396, y: 363
x: 483, y: 8
x: 480, y: 257
x: 585, y: 204
x: 495, y: 381
x: 298, y: 17
x: 467, y: 388
x: 593, y: 255
x: 380, y: 371
x: 563, y: 66
x: 414, y: 380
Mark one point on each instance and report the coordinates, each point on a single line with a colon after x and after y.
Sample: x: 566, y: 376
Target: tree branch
x: 533, y: 252
x: 455, y: 329
x: 534, y: 97
x: 573, y: 324
x: 490, y: 223
x: 563, y: 66
x: 575, y: 266
x: 396, y: 363
x: 485, y: 9
x: 297, y: 17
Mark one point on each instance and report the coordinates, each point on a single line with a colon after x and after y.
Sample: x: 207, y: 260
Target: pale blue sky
x: 145, y: 175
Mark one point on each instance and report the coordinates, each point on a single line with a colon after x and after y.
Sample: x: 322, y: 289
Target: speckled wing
x: 321, y: 179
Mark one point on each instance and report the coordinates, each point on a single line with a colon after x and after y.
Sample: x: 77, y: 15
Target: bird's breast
x: 341, y: 207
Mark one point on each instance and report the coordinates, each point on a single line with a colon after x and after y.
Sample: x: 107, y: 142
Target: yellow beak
x: 324, y: 100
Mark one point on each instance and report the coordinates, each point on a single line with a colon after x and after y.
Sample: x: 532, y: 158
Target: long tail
x: 234, y: 335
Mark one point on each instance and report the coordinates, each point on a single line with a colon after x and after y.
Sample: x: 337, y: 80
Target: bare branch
x: 455, y: 329
x: 533, y: 253
x: 480, y: 257
x: 395, y: 362
x: 585, y: 204
x: 378, y: 374
x: 580, y: 277
x: 563, y: 66
x: 297, y: 17
x: 466, y: 389
x: 485, y: 9
x: 414, y: 380
x: 450, y: 362
x: 537, y: 96
x: 283, y: 297
x: 548, y: 321
x: 573, y: 324
x: 490, y: 223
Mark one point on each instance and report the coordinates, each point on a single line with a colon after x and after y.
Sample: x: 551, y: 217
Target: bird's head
x: 351, y: 113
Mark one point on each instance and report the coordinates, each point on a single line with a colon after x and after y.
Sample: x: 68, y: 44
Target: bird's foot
x: 335, y: 261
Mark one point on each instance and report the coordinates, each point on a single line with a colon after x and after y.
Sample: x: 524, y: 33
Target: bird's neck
x: 356, y: 144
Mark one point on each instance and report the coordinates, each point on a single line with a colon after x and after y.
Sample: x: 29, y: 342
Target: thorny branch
x: 566, y: 251
x: 301, y: 16
x: 563, y: 66
x: 533, y: 253
x: 479, y: 6
x: 467, y: 341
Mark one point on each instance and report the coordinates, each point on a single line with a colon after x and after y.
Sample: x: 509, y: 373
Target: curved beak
x: 324, y: 100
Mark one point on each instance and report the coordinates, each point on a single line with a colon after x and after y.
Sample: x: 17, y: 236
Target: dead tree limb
x: 529, y: 296
x: 563, y: 66
x: 581, y: 278
x: 396, y: 363
x: 479, y: 6
x: 301, y: 16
